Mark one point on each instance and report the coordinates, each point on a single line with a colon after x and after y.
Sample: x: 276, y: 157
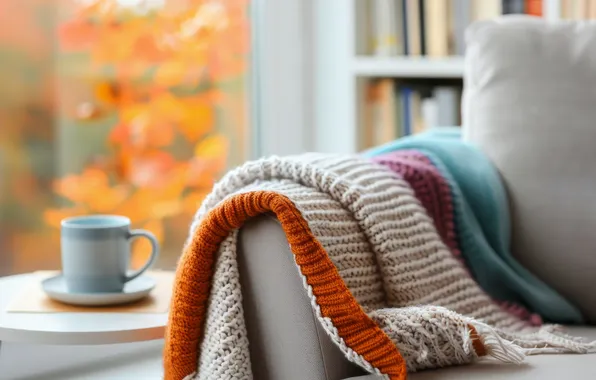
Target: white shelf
x: 409, y: 67
x: 341, y: 36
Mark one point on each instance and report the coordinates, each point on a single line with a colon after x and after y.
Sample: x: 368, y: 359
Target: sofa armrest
x: 286, y: 339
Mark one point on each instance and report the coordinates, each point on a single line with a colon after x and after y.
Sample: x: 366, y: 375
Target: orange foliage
x: 167, y: 62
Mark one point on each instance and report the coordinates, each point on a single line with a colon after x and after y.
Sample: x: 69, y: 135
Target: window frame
x: 282, y: 77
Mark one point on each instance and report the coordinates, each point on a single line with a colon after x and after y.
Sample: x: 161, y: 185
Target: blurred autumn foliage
x: 149, y: 110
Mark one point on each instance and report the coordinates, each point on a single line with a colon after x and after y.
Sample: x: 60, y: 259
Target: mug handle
x: 154, y: 252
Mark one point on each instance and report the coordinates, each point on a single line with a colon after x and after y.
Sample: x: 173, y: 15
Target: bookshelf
x: 406, y: 67
x: 345, y: 67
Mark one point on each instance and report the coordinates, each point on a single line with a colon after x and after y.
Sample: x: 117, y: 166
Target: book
x: 369, y: 113
x: 450, y: 27
x: 413, y: 32
x: 534, y: 7
x: 566, y: 9
x: 581, y: 9
x: 385, y: 129
x: 591, y: 10
x: 436, y: 28
x: 404, y: 24
x: 387, y: 27
x: 461, y: 19
x: 417, y: 121
x: 364, y: 38
x: 380, y: 114
x: 575, y: 9
x: 486, y: 9
x: 513, y: 7
x: 447, y: 99
x: 429, y: 112
x: 398, y: 105
x: 422, y: 27
x: 406, y: 121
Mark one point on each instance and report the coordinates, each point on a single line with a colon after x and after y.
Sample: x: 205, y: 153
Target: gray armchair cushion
x: 530, y: 103
x: 286, y: 340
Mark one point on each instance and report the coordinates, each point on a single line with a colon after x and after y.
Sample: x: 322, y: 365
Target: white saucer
x: 55, y: 288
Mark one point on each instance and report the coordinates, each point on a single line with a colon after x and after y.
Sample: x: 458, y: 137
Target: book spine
x: 458, y: 105
x: 506, y: 5
x: 450, y: 26
x: 566, y: 9
x: 417, y: 120
x: 447, y: 106
x: 386, y: 131
x: 412, y: 24
x: 435, y: 15
x: 534, y: 7
x: 517, y: 6
x: 486, y: 9
x: 386, y: 39
x: 581, y: 9
x: 403, y: 4
x: 369, y: 116
x: 422, y: 11
x: 461, y: 20
x: 574, y: 9
x: 365, y: 30
x: 592, y: 10
x: 398, y: 104
x: 429, y: 112
x: 406, y: 116
x: 513, y: 6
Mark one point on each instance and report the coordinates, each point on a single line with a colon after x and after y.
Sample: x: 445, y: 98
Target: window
x: 130, y: 107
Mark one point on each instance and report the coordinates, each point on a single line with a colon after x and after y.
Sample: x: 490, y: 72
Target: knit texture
x: 432, y: 189
x: 429, y: 186
x: 382, y: 283
x: 483, y: 223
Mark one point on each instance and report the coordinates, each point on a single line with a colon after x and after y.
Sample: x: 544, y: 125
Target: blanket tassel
x: 498, y: 347
x: 512, y: 348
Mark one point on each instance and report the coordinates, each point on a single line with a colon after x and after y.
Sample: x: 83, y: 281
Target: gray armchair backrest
x: 530, y: 104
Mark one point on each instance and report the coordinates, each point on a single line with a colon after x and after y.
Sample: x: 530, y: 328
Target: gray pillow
x: 530, y: 104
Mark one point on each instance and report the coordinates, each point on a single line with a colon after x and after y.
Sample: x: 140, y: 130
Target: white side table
x: 82, y: 329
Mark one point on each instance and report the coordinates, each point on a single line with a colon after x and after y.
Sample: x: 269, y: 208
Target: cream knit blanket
x: 383, y: 285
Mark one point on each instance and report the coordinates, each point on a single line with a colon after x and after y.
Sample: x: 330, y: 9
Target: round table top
x: 73, y: 328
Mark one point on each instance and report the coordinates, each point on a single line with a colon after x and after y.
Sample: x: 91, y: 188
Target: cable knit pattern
x: 382, y: 283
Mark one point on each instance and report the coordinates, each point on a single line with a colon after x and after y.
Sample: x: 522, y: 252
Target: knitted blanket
x: 483, y: 224
x: 382, y: 283
x: 433, y: 191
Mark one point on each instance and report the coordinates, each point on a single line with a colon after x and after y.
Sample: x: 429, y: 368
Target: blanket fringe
x: 555, y: 341
x: 497, y: 346
x: 512, y: 348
